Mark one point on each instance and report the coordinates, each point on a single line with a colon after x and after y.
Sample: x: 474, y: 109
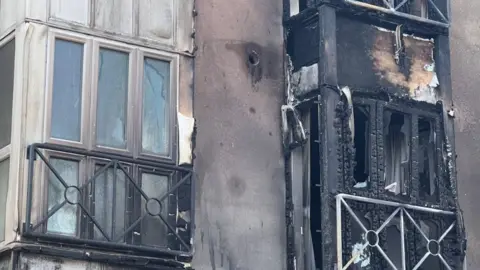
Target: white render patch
x: 186, y: 126
x: 405, y: 35
x: 305, y: 79
x: 294, y: 7
x: 428, y: 93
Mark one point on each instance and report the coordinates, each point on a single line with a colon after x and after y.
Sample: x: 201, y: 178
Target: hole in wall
x: 253, y: 58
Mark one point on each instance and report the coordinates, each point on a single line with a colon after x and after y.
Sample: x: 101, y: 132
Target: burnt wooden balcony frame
x: 182, y: 241
x: 380, y: 12
x: 376, y: 184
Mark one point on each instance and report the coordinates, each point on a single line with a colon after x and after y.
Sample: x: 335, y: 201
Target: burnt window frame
x: 376, y: 185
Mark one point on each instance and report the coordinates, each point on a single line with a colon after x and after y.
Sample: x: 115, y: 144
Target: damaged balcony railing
x: 413, y: 243
x: 108, y: 201
x: 429, y: 11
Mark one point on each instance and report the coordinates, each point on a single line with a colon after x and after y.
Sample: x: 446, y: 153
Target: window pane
x: 156, y: 93
x: 67, y: 90
x: 110, y: 203
x: 112, y: 98
x: 64, y: 221
x: 7, y: 56
x: 4, y: 173
x: 154, y: 230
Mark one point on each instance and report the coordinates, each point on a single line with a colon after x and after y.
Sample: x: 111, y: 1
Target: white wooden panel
x: 36, y: 9
x: 185, y: 25
x: 76, y: 11
x: 156, y: 19
x: 114, y: 16
x: 8, y: 13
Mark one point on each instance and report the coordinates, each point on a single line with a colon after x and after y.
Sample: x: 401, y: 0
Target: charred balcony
x: 87, y: 199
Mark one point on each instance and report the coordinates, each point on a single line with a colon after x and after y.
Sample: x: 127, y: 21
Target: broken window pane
x: 397, y: 131
x: 4, y: 176
x: 154, y: 230
x: 110, y: 197
x: 112, y: 96
x: 362, y: 146
x: 64, y: 221
x: 7, y: 58
x: 156, y: 96
x: 67, y: 90
x: 427, y: 159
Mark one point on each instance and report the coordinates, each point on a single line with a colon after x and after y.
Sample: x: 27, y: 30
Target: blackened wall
x: 240, y: 212
x: 465, y: 52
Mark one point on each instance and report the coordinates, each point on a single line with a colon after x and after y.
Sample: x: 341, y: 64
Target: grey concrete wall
x: 465, y: 55
x: 240, y: 218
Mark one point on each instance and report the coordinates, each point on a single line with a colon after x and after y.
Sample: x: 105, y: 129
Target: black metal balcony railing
x: 430, y: 11
x: 117, y: 214
x: 378, y: 234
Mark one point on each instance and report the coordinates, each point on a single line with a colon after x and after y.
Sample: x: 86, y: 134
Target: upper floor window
x: 396, y: 149
x: 113, y: 176
x: 111, y: 98
x: 7, y: 59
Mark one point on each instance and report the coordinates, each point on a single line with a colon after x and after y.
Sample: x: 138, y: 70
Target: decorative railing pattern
x: 362, y: 237
x: 122, y: 203
x: 429, y: 11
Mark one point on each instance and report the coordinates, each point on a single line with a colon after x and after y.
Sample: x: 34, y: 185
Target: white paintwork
x: 37, y: 9
x: 294, y: 7
x: 114, y: 16
x: 185, y: 131
x: 156, y: 18
x: 76, y: 11
x: 7, y: 16
x: 162, y: 24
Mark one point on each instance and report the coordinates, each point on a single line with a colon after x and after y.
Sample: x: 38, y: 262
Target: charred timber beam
x: 329, y: 99
x: 389, y: 20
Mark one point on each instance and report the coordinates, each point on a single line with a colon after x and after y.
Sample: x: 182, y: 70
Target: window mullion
x: 413, y: 184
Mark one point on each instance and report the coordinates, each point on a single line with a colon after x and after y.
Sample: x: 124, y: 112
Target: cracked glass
x: 67, y: 90
x: 156, y: 102
x: 112, y: 96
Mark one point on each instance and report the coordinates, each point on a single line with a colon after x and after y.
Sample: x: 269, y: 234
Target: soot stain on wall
x: 257, y: 61
x: 366, y: 60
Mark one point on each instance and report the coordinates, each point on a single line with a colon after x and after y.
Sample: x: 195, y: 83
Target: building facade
x: 207, y: 134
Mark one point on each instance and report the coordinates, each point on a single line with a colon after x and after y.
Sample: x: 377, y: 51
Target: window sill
x: 104, y: 256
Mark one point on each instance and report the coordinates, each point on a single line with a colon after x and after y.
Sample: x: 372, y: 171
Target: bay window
x: 110, y: 151
x: 7, y: 56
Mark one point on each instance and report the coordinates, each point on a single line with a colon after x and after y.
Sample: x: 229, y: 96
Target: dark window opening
x: 362, y: 146
x: 419, y: 8
x: 315, y: 200
x: 427, y: 160
x: 397, y: 132
x: 302, y: 4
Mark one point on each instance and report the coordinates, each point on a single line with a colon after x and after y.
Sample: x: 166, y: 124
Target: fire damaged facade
x: 370, y: 109
x: 236, y: 135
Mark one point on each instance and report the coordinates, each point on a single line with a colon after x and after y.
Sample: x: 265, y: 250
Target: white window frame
x: 53, y: 35
x: 6, y: 150
x: 92, y: 46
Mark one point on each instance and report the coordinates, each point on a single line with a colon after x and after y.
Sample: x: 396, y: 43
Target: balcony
x: 434, y: 12
x: 82, y: 198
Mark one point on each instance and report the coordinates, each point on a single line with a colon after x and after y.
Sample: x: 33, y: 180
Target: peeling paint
x: 305, y: 80
x: 185, y: 130
x: 420, y: 79
x: 361, y: 253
